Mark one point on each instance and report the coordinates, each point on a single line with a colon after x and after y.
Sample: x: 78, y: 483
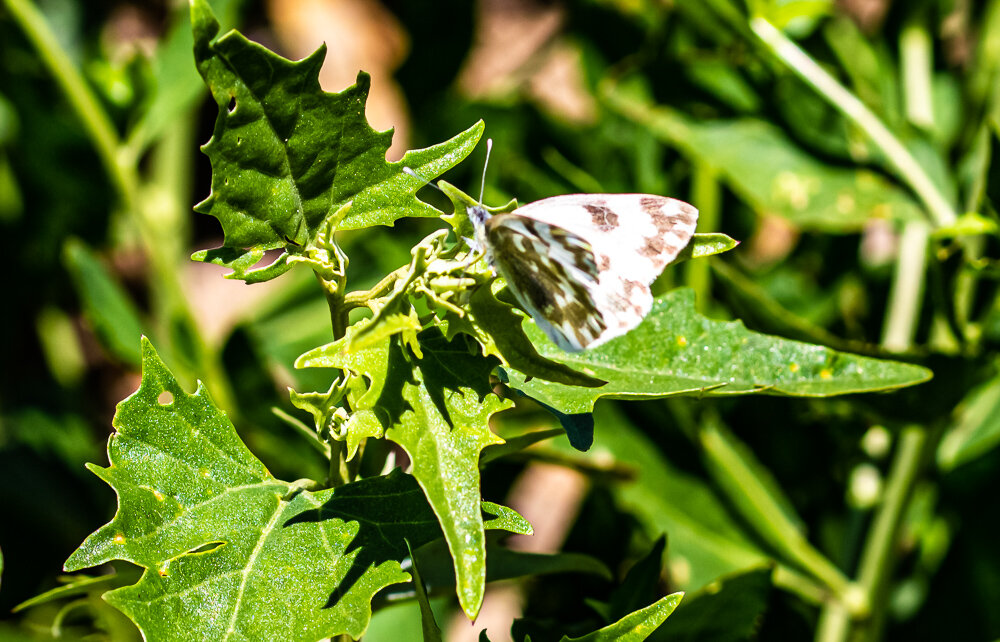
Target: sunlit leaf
x: 286, y: 156
x: 675, y: 351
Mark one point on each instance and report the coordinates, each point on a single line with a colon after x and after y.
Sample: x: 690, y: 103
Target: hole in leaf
x: 232, y: 104
x: 166, y: 398
x: 206, y: 548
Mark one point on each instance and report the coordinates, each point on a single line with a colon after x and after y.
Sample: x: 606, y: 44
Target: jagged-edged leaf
x: 439, y: 408
x: 636, y: 626
x: 370, y: 361
x: 287, y: 156
x: 228, y: 550
x: 675, y: 351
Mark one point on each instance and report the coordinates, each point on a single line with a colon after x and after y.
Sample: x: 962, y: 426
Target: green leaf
x: 229, y: 550
x: 728, y: 610
x: 769, y: 171
x: 106, y: 305
x: 976, y: 427
x: 706, y: 541
x: 507, y: 519
x: 370, y: 361
x: 968, y: 224
x: 703, y: 245
x: 641, y: 582
x: 677, y: 351
x: 176, y: 88
x: 635, y: 626
x: 286, y: 156
x: 439, y: 409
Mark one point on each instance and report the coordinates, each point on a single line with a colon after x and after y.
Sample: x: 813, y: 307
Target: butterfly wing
x: 554, y: 275
x: 633, y: 237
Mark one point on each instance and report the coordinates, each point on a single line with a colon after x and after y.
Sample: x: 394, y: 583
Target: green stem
x: 93, y: 117
x: 938, y: 209
x: 906, y: 291
x: 706, y: 194
x: 733, y: 469
x: 122, y: 172
x: 877, y: 556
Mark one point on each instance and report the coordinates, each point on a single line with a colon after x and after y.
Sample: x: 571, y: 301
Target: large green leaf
x: 769, y: 170
x: 229, y: 550
x: 287, y: 156
x: 439, y: 407
x: 675, y: 351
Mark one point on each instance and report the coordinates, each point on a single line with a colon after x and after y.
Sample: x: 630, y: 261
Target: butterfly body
x: 581, y: 264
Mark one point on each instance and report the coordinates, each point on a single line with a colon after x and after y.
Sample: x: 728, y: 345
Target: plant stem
x: 93, y: 117
x: 877, y: 556
x: 938, y: 209
x: 175, y: 314
x: 706, y: 194
x: 907, y: 288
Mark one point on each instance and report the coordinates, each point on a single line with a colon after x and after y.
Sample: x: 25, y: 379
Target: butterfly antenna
x: 409, y: 170
x: 482, y: 187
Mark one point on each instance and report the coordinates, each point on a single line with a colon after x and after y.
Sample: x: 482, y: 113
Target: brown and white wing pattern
x: 553, y: 274
x: 582, y: 264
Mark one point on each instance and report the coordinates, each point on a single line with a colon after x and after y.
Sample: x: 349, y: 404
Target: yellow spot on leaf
x: 825, y: 373
x: 682, y: 341
x: 119, y: 539
x: 794, y: 367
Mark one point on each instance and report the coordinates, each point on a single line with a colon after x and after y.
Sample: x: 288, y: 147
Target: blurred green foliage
x: 848, y: 244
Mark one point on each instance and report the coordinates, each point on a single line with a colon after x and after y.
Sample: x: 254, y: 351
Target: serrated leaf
x: 675, y: 351
x: 440, y: 407
x: 105, y: 304
x: 286, y: 156
x: 370, y: 361
x: 635, y: 626
x: 230, y: 551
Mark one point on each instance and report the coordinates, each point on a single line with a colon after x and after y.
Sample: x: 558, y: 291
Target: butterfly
x: 581, y: 264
